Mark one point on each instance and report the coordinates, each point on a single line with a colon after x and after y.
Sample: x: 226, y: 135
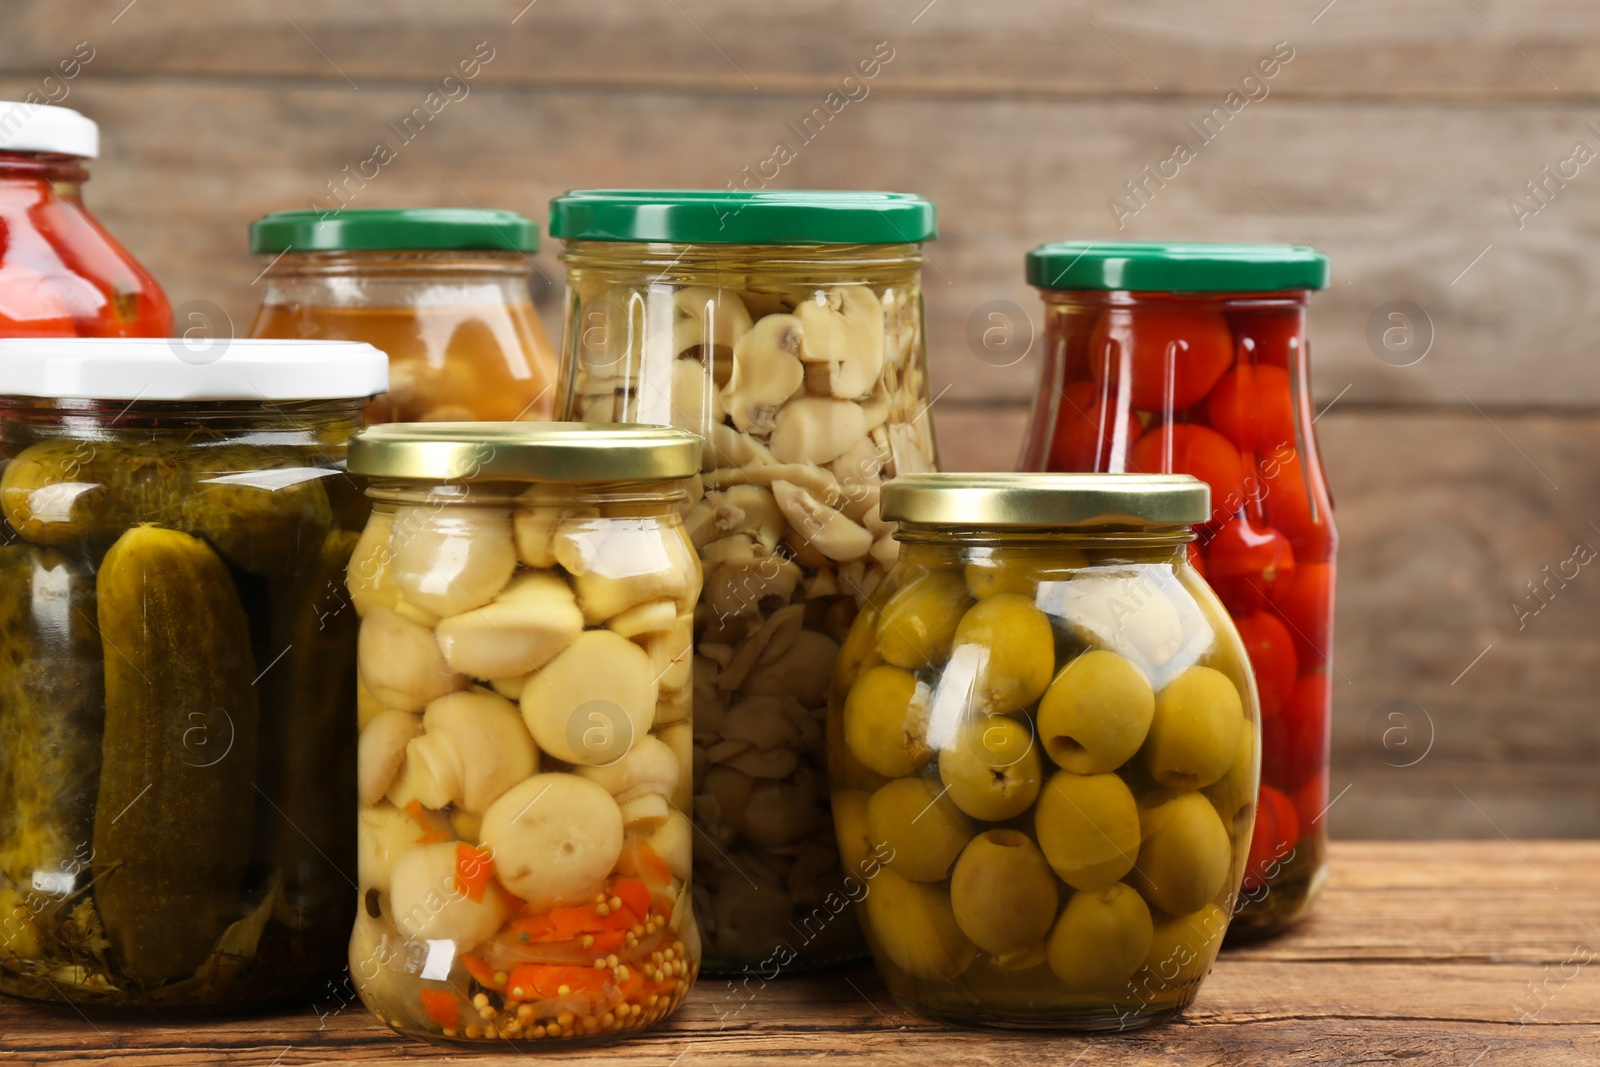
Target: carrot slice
x: 431, y: 834
x: 474, y: 868
x: 635, y: 896
x: 442, y: 1007
x: 482, y: 971
x: 540, y: 981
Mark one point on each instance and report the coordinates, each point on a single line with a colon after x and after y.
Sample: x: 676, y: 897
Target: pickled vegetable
x: 177, y: 655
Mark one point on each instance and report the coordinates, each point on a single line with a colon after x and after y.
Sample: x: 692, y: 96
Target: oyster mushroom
x: 591, y: 701
x: 400, y: 662
x: 803, y: 671
x: 822, y: 527
x: 740, y: 587
x: 473, y: 748
x: 751, y: 510
x: 817, y: 430
x: 368, y: 576
x: 842, y: 330
x: 554, y: 839
x: 766, y: 374
x: 450, y: 560
x: 384, y: 832
x: 380, y: 750
x: 521, y: 630
x: 426, y: 901
x: 782, y: 812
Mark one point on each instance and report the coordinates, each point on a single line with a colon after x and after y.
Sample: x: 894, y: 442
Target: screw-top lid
x: 768, y: 217
x: 1046, y: 500
x: 155, y: 369
x: 26, y: 127
x: 394, y: 229
x: 525, y: 451
x: 1176, y: 267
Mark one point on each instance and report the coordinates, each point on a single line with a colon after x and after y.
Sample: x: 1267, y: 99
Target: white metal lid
x: 26, y: 127
x: 175, y: 369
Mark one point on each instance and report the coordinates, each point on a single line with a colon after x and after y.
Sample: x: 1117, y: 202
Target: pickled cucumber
x: 263, y: 509
x: 69, y: 492
x: 52, y: 706
x: 173, y: 820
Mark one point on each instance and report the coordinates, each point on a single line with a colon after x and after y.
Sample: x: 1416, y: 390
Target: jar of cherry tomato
x: 444, y: 291
x: 1192, y: 358
x: 61, y: 273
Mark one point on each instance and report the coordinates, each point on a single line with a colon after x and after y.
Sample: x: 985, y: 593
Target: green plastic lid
x: 394, y: 229
x: 711, y: 216
x: 1176, y: 267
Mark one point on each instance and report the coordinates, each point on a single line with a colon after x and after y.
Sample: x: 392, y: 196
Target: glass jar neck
x: 1095, y: 299
x: 1100, y: 539
x: 388, y: 279
x: 777, y: 263
x: 274, y: 422
x: 653, y: 497
x: 65, y: 174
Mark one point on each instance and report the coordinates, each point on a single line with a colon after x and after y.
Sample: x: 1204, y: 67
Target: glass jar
x: 786, y: 330
x: 526, y: 597
x: 177, y: 739
x: 61, y: 273
x: 444, y: 291
x: 1193, y: 358
x: 1043, y: 749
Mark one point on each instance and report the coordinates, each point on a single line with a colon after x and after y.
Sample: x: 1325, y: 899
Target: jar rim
x: 558, y: 452
x: 1034, y: 500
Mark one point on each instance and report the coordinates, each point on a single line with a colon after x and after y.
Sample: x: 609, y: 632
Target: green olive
x: 885, y: 721
x: 1016, y: 652
x: 1183, y: 946
x: 850, y: 826
x: 1101, y: 940
x: 991, y: 768
x: 915, y: 825
x: 1003, y: 893
x: 915, y: 928
x: 1186, y: 855
x: 1088, y: 828
x: 919, y: 620
x: 1194, y: 736
x: 1095, y: 715
x: 1234, y: 794
x: 1019, y: 574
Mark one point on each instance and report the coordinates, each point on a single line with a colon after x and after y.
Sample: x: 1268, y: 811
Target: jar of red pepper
x: 61, y: 273
x: 1192, y: 358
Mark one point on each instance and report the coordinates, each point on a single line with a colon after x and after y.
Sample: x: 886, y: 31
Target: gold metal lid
x: 524, y: 451
x: 1036, y: 500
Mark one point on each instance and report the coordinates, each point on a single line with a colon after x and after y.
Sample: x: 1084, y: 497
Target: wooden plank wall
x: 1394, y: 139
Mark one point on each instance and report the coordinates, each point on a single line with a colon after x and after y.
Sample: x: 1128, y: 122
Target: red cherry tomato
x: 1172, y: 355
x: 1253, y: 407
x: 1087, y: 437
x: 30, y: 306
x: 1311, y: 802
x: 1206, y: 454
x: 1277, y: 830
x: 1294, y: 745
x: 1249, y: 565
x: 1272, y: 659
x: 1271, y: 336
x: 1307, y: 610
x: 1301, y: 510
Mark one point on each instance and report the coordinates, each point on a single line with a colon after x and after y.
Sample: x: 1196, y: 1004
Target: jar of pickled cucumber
x: 177, y: 693
x: 526, y: 596
x: 1193, y: 358
x: 1043, y: 745
x: 444, y: 291
x: 786, y: 330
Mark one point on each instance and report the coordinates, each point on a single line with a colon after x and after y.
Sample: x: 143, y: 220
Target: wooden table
x: 1455, y: 954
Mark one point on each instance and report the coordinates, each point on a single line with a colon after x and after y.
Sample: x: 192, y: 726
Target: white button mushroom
x: 400, y: 662
x: 428, y: 903
x: 842, y: 329
x: 380, y: 751
x: 822, y: 527
x: 368, y: 575
x: 653, y: 616
x: 816, y: 430
x: 451, y: 559
x: 473, y: 747
x: 597, y: 695
x: 679, y: 737
x: 708, y: 317
x: 767, y: 373
x: 631, y: 562
x: 383, y: 832
x: 554, y: 838
x: 671, y: 653
x: 521, y: 630
x: 534, y: 531
x: 650, y: 767
x: 673, y: 841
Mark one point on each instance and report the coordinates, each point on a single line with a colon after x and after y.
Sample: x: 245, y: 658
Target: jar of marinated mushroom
x: 444, y: 291
x: 177, y: 682
x: 1044, y: 749
x: 526, y: 596
x: 786, y: 330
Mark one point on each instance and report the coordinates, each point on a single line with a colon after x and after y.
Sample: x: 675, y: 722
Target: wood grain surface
x: 1437, y: 954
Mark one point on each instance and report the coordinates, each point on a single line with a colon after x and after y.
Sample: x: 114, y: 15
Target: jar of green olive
x: 1043, y: 746
x: 526, y: 595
